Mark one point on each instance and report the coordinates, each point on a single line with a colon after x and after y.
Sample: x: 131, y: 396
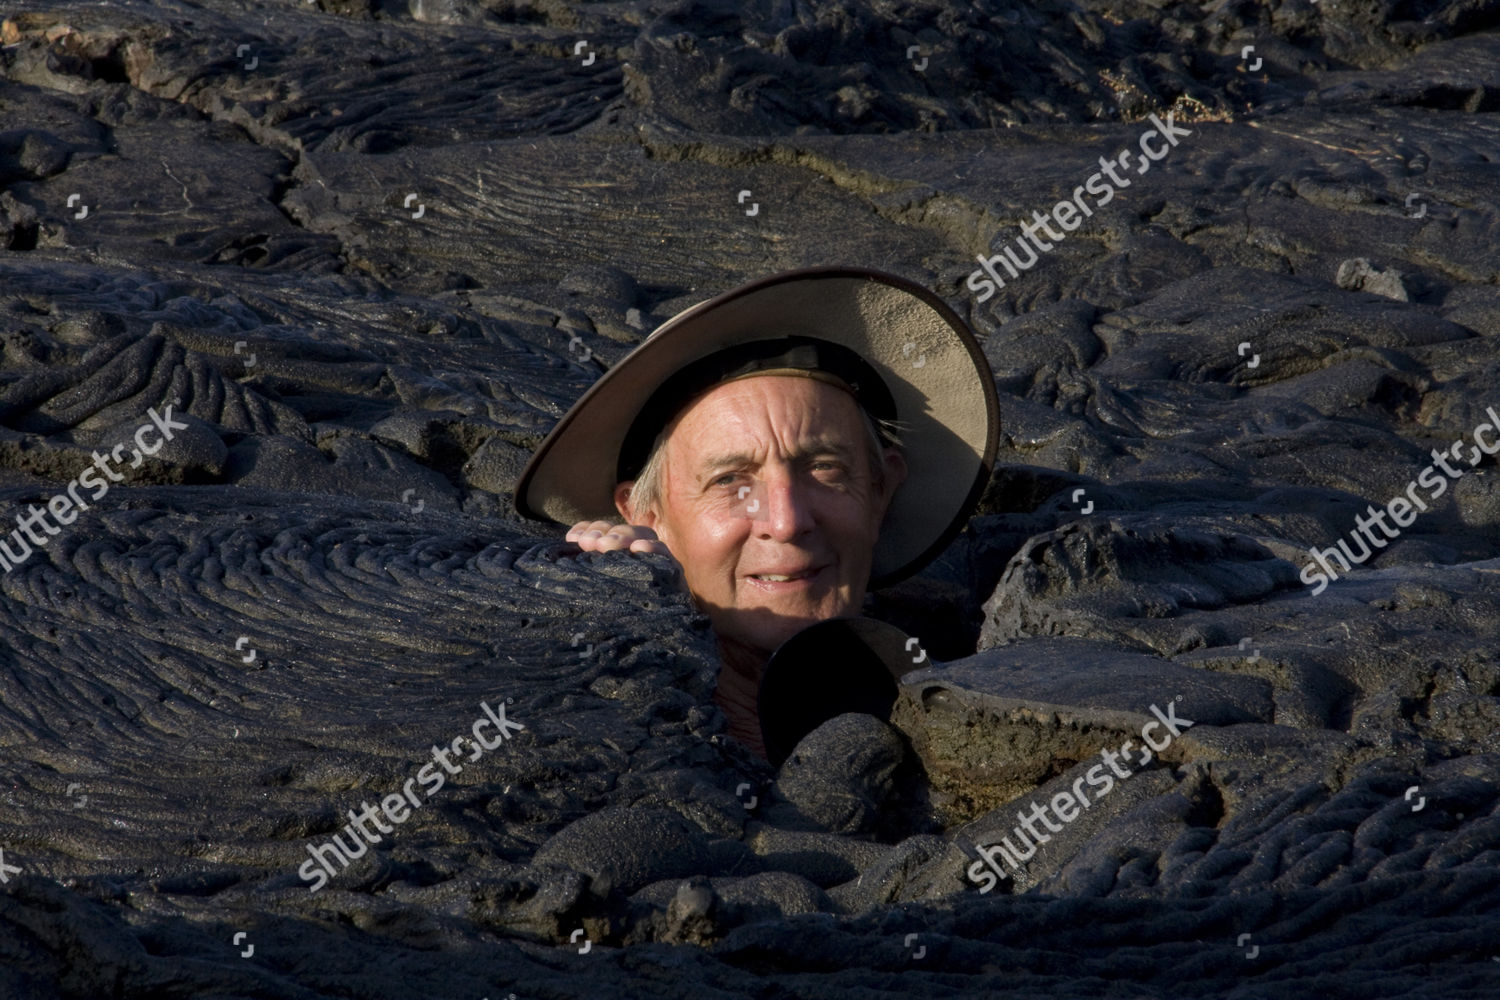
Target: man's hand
x: 603, y: 536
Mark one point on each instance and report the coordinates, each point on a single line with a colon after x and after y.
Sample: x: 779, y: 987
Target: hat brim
x: 936, y: 372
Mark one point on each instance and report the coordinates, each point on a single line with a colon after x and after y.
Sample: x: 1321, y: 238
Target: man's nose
x: 788, y: 509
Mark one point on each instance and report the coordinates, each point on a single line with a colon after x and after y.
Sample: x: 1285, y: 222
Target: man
x: 753, y: 438
x: 802, y: 446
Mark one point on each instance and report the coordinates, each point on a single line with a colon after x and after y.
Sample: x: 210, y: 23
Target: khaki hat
x: 893, y: 344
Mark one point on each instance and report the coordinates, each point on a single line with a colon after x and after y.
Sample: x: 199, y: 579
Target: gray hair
x: 645, y: 494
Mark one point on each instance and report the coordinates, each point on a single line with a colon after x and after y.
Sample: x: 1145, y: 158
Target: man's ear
x: 627, y: 509
x: 895, y: 474
x: 622, y: 500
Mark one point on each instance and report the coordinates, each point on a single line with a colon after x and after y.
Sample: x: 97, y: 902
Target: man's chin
x: 766, y: 628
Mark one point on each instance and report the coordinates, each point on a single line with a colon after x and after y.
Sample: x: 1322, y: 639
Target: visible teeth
x: 779, y: 579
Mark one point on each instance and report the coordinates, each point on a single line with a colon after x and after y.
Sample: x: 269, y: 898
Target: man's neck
x: 739, y: 688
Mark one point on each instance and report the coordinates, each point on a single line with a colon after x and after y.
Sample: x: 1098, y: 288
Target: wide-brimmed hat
x: 896, y: 345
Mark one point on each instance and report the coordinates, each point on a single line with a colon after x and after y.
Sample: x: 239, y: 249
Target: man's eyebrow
x: 819, y: 447
x: 721, y: 461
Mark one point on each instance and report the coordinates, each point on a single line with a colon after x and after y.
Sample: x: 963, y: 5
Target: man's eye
x: 726, y: 479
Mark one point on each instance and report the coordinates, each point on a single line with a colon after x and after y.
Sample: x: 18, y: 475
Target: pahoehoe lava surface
x: 361, y: 254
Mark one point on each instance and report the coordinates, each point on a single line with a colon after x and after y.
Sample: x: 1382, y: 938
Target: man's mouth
x: 787, y: 576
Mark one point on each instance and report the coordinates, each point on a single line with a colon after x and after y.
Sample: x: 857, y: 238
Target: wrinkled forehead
x: 795, y: 356
x: 784, y: 411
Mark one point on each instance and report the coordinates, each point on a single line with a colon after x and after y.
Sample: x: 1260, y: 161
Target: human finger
x: 587, y: 530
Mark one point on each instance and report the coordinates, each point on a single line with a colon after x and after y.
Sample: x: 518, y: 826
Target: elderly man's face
x: 806, y: 445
